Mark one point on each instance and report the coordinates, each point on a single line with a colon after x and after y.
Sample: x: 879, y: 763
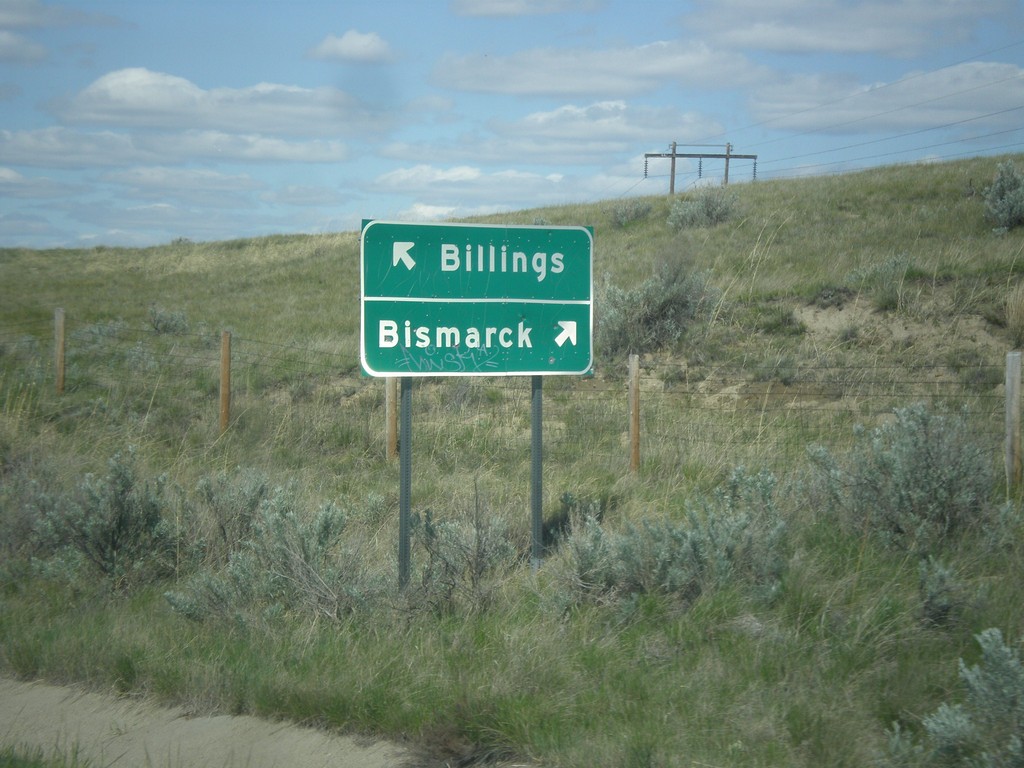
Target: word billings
x: 500, y: 260
x: 391, y: 335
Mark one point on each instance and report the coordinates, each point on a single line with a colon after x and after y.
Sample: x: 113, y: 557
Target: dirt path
x: 108, y: 731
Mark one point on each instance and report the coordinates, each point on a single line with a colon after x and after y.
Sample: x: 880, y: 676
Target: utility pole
x: 672, y: 177
x: 673, y: 154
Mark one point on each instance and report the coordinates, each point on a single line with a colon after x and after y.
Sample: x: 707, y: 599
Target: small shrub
x: 23, y: 498
x: 778, y: 321
x: 986, y: 730
x: 591, y: 561
x: 941, y: 593
x: 777, y: 366
x: 573, y: 509
x: 228, y: 505
x: 915, y: 483
x: 708, y: 207
x: 832, y: 296
x: 848, y: 334
x: 115, y: 524
x: 166, y: 321
x: 461, y: 562
x: 140, y: 357
x: 652, y: 316
x: 292, y: 561
x: 1004, y: 199
x: 885, y: 282
x: 735, y: 535
x: 628, y: 211
x: 975, y: 369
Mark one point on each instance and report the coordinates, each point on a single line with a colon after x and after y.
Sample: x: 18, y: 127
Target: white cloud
x: 34, y: 15
x: 353, y: 46
x: 160, y: 180
x: 979, y: 92
x: 610, y: 121
x: 521, y: 7
x: 232, y: 146
x: 613, y: 72
x: 452, y: 188
x: 573, y: 134
x: 424, y: 212
x: 303, y: 195
x: 440, y: 193
x: 140, y: 97
x: 15, y: 185
x: 888, y: 27
x: 58, y: 147
x: 18, y: 49
x: 421, y: 176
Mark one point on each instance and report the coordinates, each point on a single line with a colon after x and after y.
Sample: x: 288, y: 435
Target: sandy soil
x: 109, y: 731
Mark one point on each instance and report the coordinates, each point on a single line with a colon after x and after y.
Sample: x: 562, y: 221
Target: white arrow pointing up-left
x: 400, y: 253
x: 568, y: 332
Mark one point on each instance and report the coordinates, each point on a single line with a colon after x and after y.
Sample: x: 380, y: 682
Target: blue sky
x: 135, y: 122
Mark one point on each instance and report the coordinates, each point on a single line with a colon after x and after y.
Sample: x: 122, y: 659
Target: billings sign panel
x: 475, y: 300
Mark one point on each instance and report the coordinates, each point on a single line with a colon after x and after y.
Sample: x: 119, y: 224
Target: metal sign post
x: 404, y: 482
x: 537, y: 469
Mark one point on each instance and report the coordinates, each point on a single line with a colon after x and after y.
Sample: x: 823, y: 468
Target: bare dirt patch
x: 106, y: 730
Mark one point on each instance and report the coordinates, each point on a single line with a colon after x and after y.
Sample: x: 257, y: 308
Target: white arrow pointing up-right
x: 400, y: 253
x: 568, y: 332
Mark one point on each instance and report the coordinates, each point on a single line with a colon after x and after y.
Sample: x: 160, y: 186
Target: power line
x: 904, y: 135
x: 889, y: 111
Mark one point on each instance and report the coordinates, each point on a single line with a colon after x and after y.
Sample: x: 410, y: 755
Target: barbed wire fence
x: 706, y: 418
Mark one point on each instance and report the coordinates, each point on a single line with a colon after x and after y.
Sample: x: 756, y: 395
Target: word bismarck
x: 390, y: 335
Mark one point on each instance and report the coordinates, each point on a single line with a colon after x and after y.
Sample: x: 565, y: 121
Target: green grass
x: 11, y: 757
x: 811, y: 674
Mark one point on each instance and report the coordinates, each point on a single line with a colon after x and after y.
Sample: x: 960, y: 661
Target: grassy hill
x: 775, y: 586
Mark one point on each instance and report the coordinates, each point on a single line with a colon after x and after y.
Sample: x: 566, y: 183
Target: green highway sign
x: 475, y: 300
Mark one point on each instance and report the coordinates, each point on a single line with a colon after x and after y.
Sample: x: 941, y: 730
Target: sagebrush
x: 629, y: 211
x: 1004, y: 198
x: 112, y: 525
x: 915, y: 483
x: 986, y: 730
x: 733, y: 535
x: 294, y: 560
x: 460, y: 564
x: 705, y: 208
x: 652, y: 316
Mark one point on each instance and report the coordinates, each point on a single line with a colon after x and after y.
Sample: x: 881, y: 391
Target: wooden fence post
x: 59, y: 348
x: 634, y: 413
x: 391, y: 417
x: 1013, y: 444
x: 225, y: 380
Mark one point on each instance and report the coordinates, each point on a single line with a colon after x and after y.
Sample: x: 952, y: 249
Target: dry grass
x: 1015, y: 315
